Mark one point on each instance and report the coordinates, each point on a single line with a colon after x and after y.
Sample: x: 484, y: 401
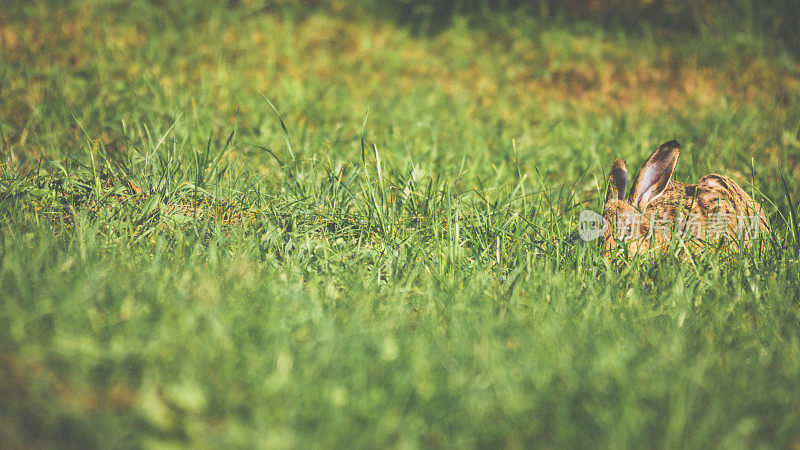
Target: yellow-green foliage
x: 320, y: 224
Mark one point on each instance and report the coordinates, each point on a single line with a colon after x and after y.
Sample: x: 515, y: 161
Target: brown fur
x: 708, y: 209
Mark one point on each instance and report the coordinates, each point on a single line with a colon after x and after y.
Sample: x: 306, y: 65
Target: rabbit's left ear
x: 654, y: 177
x: 617, y: 181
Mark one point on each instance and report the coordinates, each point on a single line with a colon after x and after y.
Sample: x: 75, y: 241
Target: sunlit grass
x: 286, y: 227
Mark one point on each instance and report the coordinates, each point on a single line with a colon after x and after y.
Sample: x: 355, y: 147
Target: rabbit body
x: 658, y: 206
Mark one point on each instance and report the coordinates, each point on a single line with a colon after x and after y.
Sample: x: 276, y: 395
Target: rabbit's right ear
x: 654, y: 177
x: 617, y: 181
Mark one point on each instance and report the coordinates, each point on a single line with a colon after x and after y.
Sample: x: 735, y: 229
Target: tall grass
x: 260, y: 225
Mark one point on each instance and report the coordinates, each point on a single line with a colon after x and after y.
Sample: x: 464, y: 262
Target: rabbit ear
x: 654, y: 177
x: 617, y: 181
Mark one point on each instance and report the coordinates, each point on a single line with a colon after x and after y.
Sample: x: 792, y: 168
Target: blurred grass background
x: 388, y: 256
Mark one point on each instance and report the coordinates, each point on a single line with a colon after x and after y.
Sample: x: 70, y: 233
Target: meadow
x: 288, y: 225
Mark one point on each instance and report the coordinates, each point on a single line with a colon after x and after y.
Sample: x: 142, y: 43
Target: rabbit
x: 659, y: 206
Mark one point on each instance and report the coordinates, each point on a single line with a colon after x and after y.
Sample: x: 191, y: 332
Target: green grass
x: 288, y: 227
